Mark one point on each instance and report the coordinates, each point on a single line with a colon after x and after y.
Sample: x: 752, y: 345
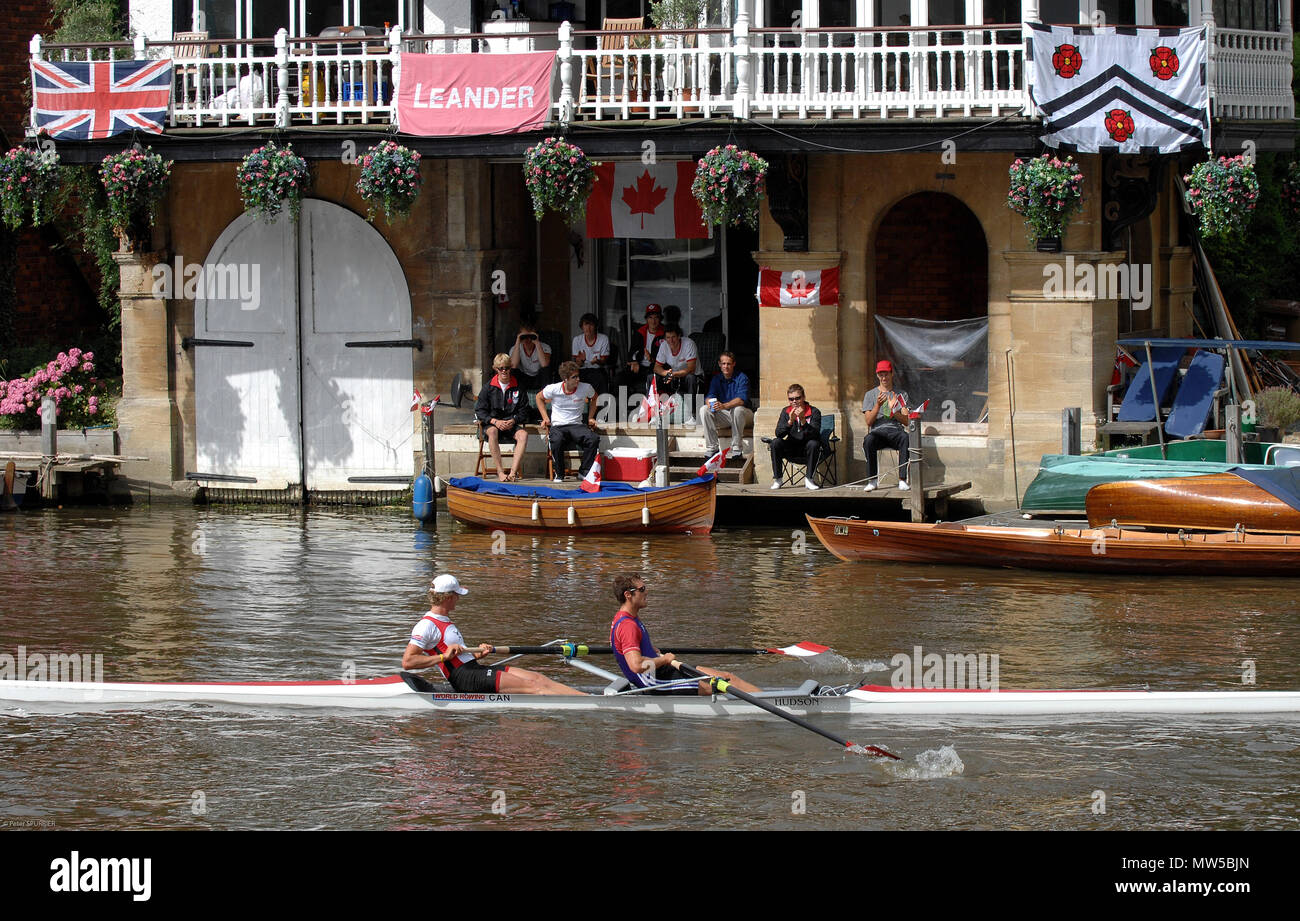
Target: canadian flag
x: 651, y: 405
x: 916, y: 413
x: 416, y: 400
x: 632, y: 199
x: 591, y: 482
x: 799, y: 288
x: 713, y: 464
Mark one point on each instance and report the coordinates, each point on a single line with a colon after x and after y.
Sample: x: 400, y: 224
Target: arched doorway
x: 302, y: 361
x: 931, y: 303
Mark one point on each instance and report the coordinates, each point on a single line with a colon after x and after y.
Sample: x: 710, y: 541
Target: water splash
x: 930, y: 765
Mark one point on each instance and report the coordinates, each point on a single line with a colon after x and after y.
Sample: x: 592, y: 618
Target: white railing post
x: 395, y: 54
x: 566, y: 72
x: 1028, y: 14
x: 138, y: 47
x: 281, y: 78
x: 740, y: 51
x: 34, y: 48
x: 1211, y: 64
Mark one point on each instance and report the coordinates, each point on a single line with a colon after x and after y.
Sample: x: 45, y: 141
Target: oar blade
x: 801, y: 650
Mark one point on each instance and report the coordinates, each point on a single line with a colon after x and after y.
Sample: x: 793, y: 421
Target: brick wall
x: 53, y: 300
x: 931, y: 260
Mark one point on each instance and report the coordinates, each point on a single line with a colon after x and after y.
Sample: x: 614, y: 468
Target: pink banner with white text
x: 457, y: 94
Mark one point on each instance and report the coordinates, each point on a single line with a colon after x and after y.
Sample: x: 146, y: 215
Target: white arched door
x: 302, y: 361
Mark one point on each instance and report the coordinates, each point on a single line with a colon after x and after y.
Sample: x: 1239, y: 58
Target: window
x: 635, y: 272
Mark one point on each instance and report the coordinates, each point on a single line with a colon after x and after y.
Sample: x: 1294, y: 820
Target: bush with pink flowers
x: 70, y: 379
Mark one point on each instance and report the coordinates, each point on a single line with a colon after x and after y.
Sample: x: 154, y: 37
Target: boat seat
x: 1283, y: 455
x: 808, y: 689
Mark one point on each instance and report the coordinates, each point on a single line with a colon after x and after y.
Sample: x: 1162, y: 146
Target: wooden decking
x: 932, y: 504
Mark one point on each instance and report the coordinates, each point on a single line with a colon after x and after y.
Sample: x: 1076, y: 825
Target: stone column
x: 799, y: 345
x: 147, y: 420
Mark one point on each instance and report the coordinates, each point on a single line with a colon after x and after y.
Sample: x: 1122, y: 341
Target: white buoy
x: 573, y: 515
x: 645, y: 515
x: 537, y: 512
x: 438, y: 486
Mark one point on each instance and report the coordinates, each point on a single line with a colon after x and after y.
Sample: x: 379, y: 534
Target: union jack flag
x: 90, y: 100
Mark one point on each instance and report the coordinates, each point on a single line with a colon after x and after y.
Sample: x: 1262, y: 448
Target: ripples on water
x: 183, y: 594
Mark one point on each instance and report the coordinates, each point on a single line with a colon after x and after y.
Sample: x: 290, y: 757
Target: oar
x: 572, y: 650
x: 721, y: 684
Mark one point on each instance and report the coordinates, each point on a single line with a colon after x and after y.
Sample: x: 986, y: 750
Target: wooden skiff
x: 1219, y: 501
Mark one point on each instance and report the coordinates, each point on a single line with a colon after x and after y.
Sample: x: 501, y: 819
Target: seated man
x: 798, y: 437
x: 566, y: 399
x: 675, y: 365
x: 502, y: 410
x: 530, y: 357
x: 641, y: 663
x: 591, y: 353
x: 885, y: 410
x: 728, y: 406
x: 642, y: 350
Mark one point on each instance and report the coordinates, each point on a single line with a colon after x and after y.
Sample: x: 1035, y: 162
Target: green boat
x: 1063, y: 480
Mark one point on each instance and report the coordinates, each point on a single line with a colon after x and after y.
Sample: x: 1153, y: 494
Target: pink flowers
x: 390, y: 179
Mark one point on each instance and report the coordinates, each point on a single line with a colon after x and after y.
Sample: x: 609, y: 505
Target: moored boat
x: 1256, y: 500
x: 1105, y: 550
x: 616, y: 507
x: 808, y: 699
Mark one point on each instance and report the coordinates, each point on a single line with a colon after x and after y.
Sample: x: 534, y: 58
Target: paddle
x: 571, y: 650
x: 721, y: 684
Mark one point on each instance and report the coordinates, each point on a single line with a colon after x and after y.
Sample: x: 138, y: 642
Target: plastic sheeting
x: 943, y: 361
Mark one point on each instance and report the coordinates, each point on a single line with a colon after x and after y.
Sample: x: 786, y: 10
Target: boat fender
x: 573, y: 515
x: 645, y: 515
x: 537, y: 512
x: 439, y: 486
x: 422, y: 498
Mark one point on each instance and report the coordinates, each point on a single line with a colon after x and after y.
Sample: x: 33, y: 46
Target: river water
x: 185, y: 594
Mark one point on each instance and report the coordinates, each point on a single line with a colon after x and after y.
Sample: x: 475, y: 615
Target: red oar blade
x: 801, y: 650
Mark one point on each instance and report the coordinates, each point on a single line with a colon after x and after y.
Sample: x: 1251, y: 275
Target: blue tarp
x: 607, y: 489
x: 1280, y: 482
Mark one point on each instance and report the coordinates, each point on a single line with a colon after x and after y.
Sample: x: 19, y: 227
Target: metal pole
x: 1011, y: 405
x: 430, y: 463
x: 1071, y: 430
x: 1155, y: 398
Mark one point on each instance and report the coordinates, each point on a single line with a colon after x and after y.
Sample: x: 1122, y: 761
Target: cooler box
x: 628, y: 465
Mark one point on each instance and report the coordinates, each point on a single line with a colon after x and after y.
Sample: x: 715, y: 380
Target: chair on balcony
x: 615, y: 67
x: 187, y: 74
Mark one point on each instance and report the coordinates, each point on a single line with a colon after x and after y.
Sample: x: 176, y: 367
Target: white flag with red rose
x: 714, y: 463
x: 654, y: 202
x: 799, y: 288
x: 591, y: 482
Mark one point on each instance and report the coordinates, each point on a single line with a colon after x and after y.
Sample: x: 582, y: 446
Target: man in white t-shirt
x: 529, y: 356
x: 675, y: 365
x: 565, y: 419
x: 591, y: 352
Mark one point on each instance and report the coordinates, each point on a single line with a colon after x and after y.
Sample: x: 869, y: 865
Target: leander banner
x: 1126, y: 89
x: 457, y: 94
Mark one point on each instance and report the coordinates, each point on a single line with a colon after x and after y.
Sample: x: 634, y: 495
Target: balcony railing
x: 770, y: 74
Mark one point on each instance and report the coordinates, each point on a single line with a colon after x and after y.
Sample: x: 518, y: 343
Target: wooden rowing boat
x: 393, y: 693
x: 1219, y: 501
x: 1106, y: 550
x: 617, y: 507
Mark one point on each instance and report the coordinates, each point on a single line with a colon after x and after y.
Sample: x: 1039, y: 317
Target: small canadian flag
x: 647, y: 411
x: 416, y: 400
x: 714, y: 463
x: 916, y: 413
x: 591, y: 482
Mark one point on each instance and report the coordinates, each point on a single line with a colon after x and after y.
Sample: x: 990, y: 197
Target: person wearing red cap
x: 644, y: 348
x: 435, y: 642
x: 886, y: 411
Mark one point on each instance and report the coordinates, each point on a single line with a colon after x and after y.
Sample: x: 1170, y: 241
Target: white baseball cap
x: 448, y: 583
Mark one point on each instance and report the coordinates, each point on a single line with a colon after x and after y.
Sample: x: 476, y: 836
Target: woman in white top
x: 529, y: 356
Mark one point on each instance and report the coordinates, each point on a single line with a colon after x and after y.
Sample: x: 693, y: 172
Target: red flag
x: 633, y: 199
x: 591, y: 482
x: 416, y: 400
x: 714, y: 463
x: 916, y: 413
x: 651, y: 404
x: 799, y: 288
x: 1122, y: 360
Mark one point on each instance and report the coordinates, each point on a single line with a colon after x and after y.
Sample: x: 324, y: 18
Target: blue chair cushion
x: 1138, y: 406
x: 1195, y: 395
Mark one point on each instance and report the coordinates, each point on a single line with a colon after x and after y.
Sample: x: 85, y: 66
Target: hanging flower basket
x: 27, y: 177
x: 134, y: 181
x: 270, y: 176
x: 729, y: 184
x: 1047, y: 191
x: 559, y: 178
x: 390, y: 179
x: 1222, y: 194
x: 1291, y: 188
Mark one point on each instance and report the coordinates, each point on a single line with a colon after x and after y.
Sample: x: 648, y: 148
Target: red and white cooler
x: 629, y: 465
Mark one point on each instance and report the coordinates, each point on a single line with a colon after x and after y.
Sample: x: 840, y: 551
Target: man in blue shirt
x: 727, y: 406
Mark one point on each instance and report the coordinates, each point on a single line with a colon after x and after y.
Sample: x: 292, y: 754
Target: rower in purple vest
x: 641, y: 663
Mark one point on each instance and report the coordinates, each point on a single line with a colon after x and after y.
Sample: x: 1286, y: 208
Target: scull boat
x: 410, y: 692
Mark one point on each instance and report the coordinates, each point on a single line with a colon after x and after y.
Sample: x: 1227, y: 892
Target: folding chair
x: 794, y: 472
x: 613, y: 67
x: 1201, y: 387
x: 186, y: 73
x: 1139, y: 413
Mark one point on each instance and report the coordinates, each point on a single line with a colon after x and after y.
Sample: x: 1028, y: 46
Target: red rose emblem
x: 1164, y: 63
x: 1119, y: 125
x: 1067, y: 61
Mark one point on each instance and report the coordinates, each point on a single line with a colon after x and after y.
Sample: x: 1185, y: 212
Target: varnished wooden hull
x: 1103, y: 550
x: 1219, y: 501
x: 686, y: 508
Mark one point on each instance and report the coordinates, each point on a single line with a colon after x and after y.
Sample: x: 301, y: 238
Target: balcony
x: 767, y: 74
